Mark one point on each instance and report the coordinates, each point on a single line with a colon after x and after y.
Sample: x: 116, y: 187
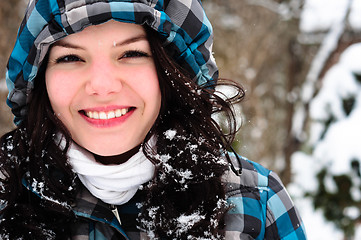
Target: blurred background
x: 300, y: 64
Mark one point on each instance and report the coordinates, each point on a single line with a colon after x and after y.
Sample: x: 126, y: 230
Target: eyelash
x: 134, y: 54
x: 67, y: 58
x: 127, y: 54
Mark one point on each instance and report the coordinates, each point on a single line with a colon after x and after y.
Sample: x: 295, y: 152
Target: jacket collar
x: 85, y: 206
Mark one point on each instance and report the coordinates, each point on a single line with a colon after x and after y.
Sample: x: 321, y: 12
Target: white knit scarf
x: 113, y: 184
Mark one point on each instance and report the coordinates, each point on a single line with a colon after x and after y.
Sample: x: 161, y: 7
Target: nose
x: 103, y: 79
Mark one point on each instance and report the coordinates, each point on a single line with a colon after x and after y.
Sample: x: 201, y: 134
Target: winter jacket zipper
x: 115, y: 212
x: 92, y: 218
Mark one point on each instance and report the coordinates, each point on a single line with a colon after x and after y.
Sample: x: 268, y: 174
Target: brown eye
x: 135, y: 54
x: 68, y: 58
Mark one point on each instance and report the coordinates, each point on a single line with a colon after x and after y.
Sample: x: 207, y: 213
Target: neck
x: 117, y: 159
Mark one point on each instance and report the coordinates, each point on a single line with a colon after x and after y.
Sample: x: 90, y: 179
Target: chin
x: 108, y: 152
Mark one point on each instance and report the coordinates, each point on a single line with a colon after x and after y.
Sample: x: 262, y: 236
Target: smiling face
x: 102, y: 84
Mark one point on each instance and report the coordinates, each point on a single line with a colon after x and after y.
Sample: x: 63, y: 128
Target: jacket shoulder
x: 252, y: 174
x: 261, y: 207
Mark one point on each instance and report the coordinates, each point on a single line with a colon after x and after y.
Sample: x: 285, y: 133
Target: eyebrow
x: 138, y: 38
x: 141, y: 37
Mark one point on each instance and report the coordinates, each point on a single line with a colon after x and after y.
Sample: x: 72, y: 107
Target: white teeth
x: 95, y: 115
x: 103, y: 115
x: 107, y: 115
x: 118, y: 113
x: 111, y: 115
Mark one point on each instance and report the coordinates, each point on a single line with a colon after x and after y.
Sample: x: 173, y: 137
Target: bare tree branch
x: 286, y: 10
x: 268, y: 4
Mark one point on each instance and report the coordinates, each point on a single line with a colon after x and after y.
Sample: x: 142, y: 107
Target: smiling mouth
x: 104, y: 115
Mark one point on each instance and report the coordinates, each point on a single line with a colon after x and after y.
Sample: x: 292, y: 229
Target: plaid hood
x: 186, y: 31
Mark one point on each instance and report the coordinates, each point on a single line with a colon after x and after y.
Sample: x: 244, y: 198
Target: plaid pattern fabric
x: 262, y: 209
x: 185, y: 28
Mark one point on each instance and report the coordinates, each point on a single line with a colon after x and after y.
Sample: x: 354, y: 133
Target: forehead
x: 111, y: 30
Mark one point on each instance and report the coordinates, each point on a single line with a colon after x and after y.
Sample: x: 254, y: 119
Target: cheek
x: 150, y: 91
x: 60, y: 90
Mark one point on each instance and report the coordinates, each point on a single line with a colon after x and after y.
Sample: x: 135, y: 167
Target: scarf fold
x: 113, y: 184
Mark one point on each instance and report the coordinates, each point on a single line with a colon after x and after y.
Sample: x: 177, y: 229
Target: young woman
x: 115, y: 140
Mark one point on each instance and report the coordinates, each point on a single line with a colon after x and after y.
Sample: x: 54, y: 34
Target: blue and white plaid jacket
x: 261, y: 209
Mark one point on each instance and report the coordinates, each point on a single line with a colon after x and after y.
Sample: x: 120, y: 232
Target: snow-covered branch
x: 328, y: 46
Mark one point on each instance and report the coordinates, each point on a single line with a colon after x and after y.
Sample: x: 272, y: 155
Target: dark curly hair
x: 190, y: 158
